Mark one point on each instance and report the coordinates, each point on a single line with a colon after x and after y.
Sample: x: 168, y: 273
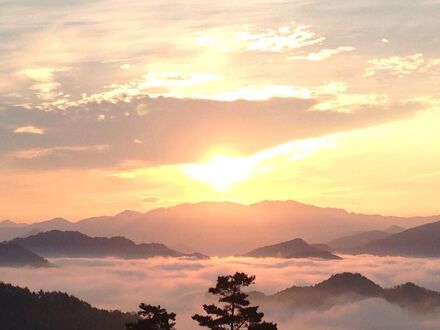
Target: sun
x: 221, y: 171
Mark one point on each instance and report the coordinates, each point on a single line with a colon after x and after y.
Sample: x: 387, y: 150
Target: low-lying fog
x: 180, y: 286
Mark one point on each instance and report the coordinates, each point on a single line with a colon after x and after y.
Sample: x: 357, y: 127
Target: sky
x: 113, y: 105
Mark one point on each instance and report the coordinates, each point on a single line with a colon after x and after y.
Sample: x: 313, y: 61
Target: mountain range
x: 56, y: 243
x: 217, y: 228
x: 296, y: 248
x: 420, y: 241
x: 349, y: 287
x: 359, y: 239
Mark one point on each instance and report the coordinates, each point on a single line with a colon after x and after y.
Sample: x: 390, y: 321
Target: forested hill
x: 22, y: 309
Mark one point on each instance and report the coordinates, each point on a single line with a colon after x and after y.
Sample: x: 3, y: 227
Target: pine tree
x: 153, y: 318
x: 235, y: 312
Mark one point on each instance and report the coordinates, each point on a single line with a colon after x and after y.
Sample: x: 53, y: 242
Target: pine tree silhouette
x: 235, y: 312
x: 153, y: 318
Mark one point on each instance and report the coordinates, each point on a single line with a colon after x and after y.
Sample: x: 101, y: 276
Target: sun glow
x: 221, y: 171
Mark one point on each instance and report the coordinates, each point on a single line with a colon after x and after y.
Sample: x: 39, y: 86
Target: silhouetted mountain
x: 11, y: 230
x: 14, y: 255
x: 413, y: 296
x: 394, y: 229
x: 356, y: 240
x: 349, y: 287
x: 57, y: 243
x: 129, y: 214
x: 296, y: 248
x: 322, y: 246
x: 34, y: 231
x: 22, y: 309
x: 421, y: 241
x: 10, y: 224
x: 201, y: 226
x: 343, y: 283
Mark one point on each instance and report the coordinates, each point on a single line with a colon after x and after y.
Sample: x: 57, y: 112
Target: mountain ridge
x: 419, y: 241
x: 58, y: 243
x: 296, y: 248
x: 349, y: 287
x: 200, y: 226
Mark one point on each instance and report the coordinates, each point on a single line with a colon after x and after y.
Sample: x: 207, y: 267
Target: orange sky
x: 134, y: 105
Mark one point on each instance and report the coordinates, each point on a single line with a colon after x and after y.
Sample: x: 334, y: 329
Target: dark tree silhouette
x: 235, y: 312
x: 21, y: 309
x: 153, y: 318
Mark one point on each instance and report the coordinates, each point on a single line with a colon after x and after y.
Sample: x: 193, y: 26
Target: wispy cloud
x: 45, y: 85
x: 402, y: 66
x: 323, y: 54
x: 44, y: 152
x: 282, y: 40
x: 165, y: 82
x: 29, y: 129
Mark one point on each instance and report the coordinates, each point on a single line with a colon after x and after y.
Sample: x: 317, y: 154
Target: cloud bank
x: 180, y: 285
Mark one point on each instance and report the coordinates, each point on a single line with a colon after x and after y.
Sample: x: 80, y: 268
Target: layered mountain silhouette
x: 296, y: 248
x: 350, y: 287
x: 58, y: 243
x: 420, y: 241
x: 10, y: 230
x: 22, y: 309
x: 202, y: 226
x: 359, y: 239
x: 14, y: 255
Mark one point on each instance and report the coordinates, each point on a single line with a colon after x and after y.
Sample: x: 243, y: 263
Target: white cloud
x: 282, y: 40
x: 402, y: 65
x: 153, y: 84
x: 345, y: 102
x: 29, y: 129
x: 322, y: 54
x: 264, y: 92
x: 176, y: 79
x: 330, y: 97
x: 45, y: 85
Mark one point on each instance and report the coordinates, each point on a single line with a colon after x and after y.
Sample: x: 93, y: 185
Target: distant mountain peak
x: 58, y: 220
x: 57, y: 243
x: 346, y: 287
x: 410, y: 285
x: 128, y: 214
x: 10, y: 224
x: 7, y: 222
x: 60, y: 233
x: 349, y: 281
x: 295, y: 248
x: 290, y: 202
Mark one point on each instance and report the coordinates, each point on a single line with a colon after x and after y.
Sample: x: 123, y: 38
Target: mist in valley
x: 181, y: 284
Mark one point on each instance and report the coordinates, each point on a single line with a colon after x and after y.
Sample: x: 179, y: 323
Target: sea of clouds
x: 180, y: 285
